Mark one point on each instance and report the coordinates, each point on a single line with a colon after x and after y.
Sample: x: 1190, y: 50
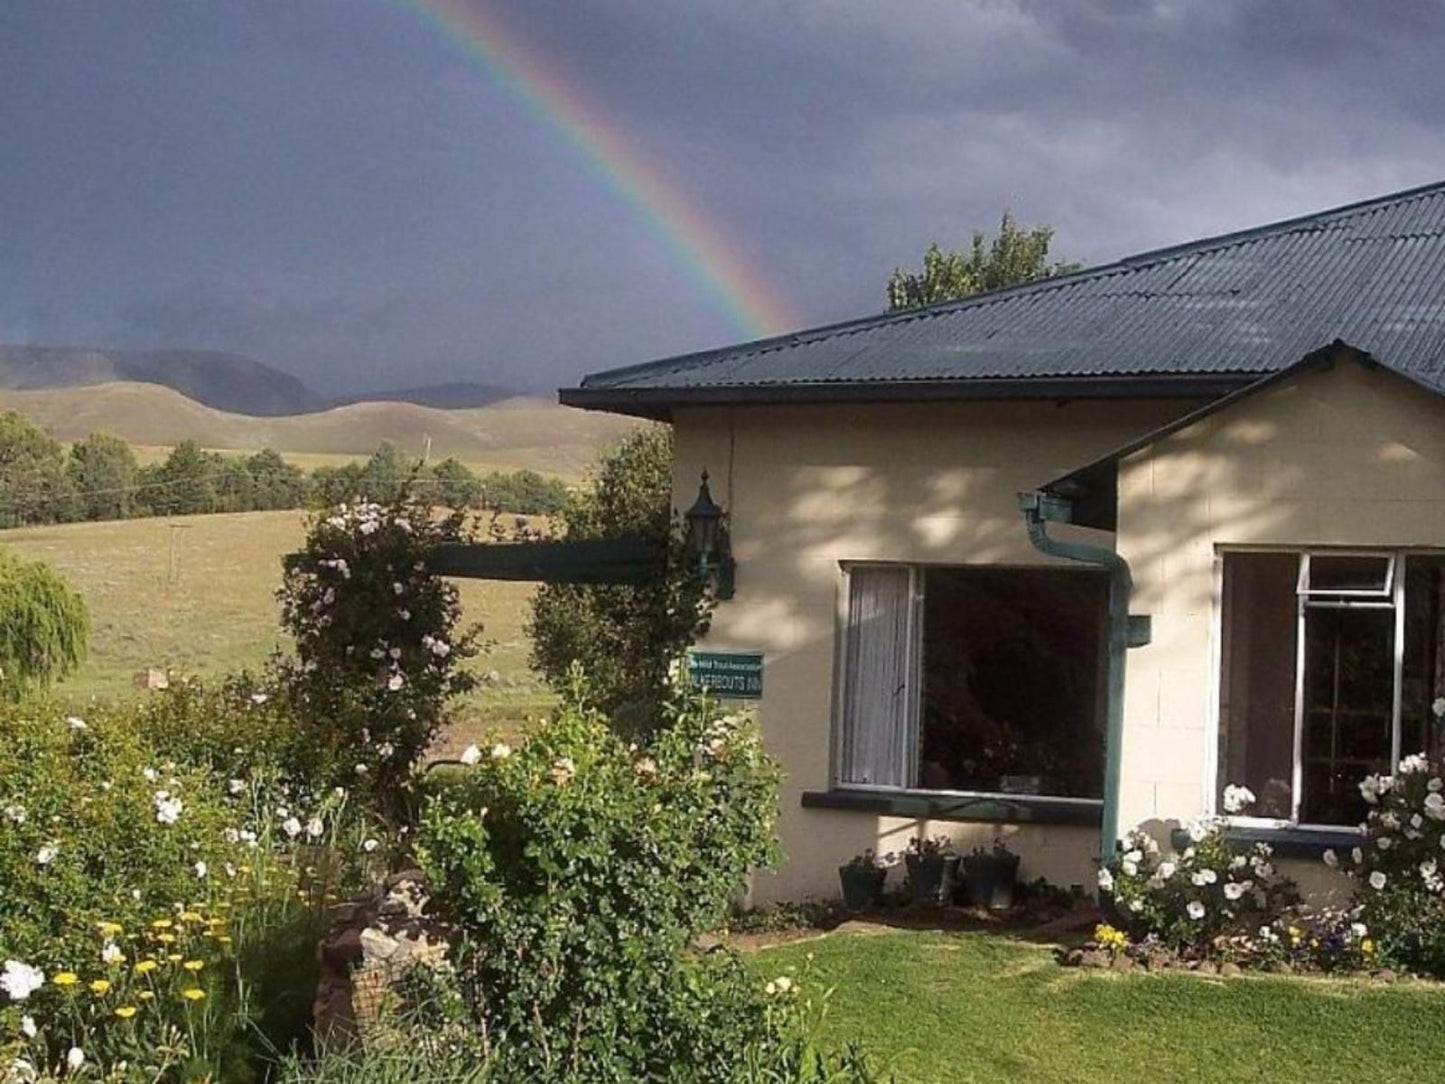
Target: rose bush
x: 1399, y: 866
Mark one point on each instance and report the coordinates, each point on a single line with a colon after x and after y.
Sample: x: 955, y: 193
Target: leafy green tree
x: 186, y: 482
x: 43, y: 626
x: 34, y: 487
x: 624, y: 636
x: 331, y: 486
x: 1016, y: 254
x: 277, y: 483
x: 455, y: 485
x: 525, y: 492
x: 235, y: 485
x: 102, y: 470
x: 387, y: 475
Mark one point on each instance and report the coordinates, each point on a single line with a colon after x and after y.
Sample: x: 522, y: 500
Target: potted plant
x: 932, y: 868
x: 989, y: 876
x: 862, y: 877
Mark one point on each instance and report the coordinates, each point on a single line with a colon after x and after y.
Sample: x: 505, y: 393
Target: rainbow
x: 702, y: 249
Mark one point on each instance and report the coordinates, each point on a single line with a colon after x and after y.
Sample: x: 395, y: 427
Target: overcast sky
x: 340, y: 189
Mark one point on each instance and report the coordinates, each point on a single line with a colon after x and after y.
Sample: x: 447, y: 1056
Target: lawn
x: 197, y: 594
x: 976, y: 1007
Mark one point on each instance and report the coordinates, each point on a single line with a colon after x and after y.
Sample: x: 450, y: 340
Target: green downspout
x: 1040, y: 509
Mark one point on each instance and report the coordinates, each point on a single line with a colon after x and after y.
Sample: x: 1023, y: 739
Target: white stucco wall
x: 808, y: 487
x: 1345, y: 457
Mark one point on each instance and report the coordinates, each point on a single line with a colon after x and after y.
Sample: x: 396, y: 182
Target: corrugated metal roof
x: 1371, y: 274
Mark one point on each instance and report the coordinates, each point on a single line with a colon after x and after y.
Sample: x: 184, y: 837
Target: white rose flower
x: 15, y: 814
x: 201, y: 869
x: 1359, y: 929
x: 74, y: 1058
x: 20, y: 980
x: 1106, y: 881
x: 1131, y: 869
x: 1435, y: 805
x: 151, y: 775
x: 1436, y: 784
x: 1197, y: 829
x: 314, y: 828
x: 501, y: 751
x: 47, y: 853
x: 1438, y: 706
x: 369, y: 845
x: 1136, y: 905
x: 1377, y: 880
x: 396, y: 682
x: 259, y: 698
x: 471, y: 755
x: 1234, y: 890
x: 292, y: 827
x: 1166, y: 870
x: 28, y: 1028
x: 1196, y: 910
x: 1237, y: 798
x: 1357, y: 855
x: 168, y: 808
x: 1384, y: 843
x: 75, y: 722
x: 1331, y: 859
x: 1415, y: 762
x: 110, y: 953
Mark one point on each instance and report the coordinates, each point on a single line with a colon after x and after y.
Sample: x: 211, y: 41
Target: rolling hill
x: 506, y: 435
x: 221, y: 380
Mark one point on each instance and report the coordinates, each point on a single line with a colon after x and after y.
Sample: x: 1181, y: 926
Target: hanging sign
x: 734, y: 675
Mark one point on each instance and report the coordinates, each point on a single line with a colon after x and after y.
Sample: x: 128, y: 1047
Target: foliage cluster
x: 378, y: 647
x: 1016, y: 254
x: 582, y: 868
x: 43, y: 627
x: 623, y: 636
x: 1399, y: 866
x: 1191, y: 902
x: 100, y: 478
x: 148, y: 898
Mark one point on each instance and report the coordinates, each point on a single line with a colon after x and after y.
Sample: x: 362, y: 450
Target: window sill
x: 1285, y: 842
x: 989, y: 808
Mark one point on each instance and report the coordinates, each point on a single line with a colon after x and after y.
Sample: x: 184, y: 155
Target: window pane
x: 1348, y: 704
x: 1013, y: 681
x: 877, y: 705
x: 1423, y: 680
x: 1334, y: 573
x: 1257, y: 690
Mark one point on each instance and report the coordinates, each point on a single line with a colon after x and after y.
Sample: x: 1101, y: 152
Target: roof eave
x: 658, y: 403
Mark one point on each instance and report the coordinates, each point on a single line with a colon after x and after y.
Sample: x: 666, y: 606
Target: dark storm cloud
x: 335, y: 188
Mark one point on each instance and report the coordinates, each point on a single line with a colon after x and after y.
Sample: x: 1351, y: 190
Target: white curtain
x: 878, y: 731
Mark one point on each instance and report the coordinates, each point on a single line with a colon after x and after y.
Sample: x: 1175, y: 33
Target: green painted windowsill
x: 1285, y: 842
x: 991, y: 809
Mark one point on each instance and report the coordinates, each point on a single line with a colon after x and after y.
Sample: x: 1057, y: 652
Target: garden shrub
x: 581, y: 868
x: 143, y: 893
x: 378, y: 648
x: 1399, y: 866
x: 1191, y: 902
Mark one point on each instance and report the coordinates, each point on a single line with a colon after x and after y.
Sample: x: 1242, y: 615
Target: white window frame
x: 1392, y: 596
x: 916, y: 574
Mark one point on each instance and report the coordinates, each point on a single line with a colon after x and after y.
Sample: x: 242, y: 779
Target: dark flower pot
x: 989, y: 880
x: 862, y: 887
x: 932, y: 877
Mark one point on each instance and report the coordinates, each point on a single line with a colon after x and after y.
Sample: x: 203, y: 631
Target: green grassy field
x: 949, y: 1007
x: 197, y: 594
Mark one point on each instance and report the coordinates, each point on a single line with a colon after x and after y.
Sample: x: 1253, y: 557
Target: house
x: 1068, y: 558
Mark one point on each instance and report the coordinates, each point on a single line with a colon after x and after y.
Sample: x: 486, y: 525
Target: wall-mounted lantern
x: 708, y: 542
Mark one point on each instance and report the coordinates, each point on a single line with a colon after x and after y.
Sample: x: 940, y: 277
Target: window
x: 980, y: 680
x: 1330, y: 665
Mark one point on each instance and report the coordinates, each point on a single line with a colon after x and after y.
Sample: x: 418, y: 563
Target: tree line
x: 101, y: 478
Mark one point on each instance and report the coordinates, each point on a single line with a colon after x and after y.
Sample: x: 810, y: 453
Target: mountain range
x: 229, y: 382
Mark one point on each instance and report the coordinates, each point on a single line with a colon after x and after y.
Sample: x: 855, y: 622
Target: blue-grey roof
x: 1224, y: 309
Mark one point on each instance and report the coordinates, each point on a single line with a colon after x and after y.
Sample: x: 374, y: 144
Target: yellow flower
x: 174, y: 957
x: 1367, y: 946
x: 162, y: 924
x: 100, y: 986
x: 110, y: 929
x: 66, y: 978
x: 145, y: 967
x: 223, y: 940
x: 193, y: 994
x: 125, y: 1012
x: 166, y: 938
x: 193, y: 965
x: 191, y: 916
x: 145, y: 995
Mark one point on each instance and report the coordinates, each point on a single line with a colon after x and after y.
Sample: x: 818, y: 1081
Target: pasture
x: 196, y: 594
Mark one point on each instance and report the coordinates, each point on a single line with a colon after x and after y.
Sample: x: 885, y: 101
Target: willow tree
x: 43, y: 626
